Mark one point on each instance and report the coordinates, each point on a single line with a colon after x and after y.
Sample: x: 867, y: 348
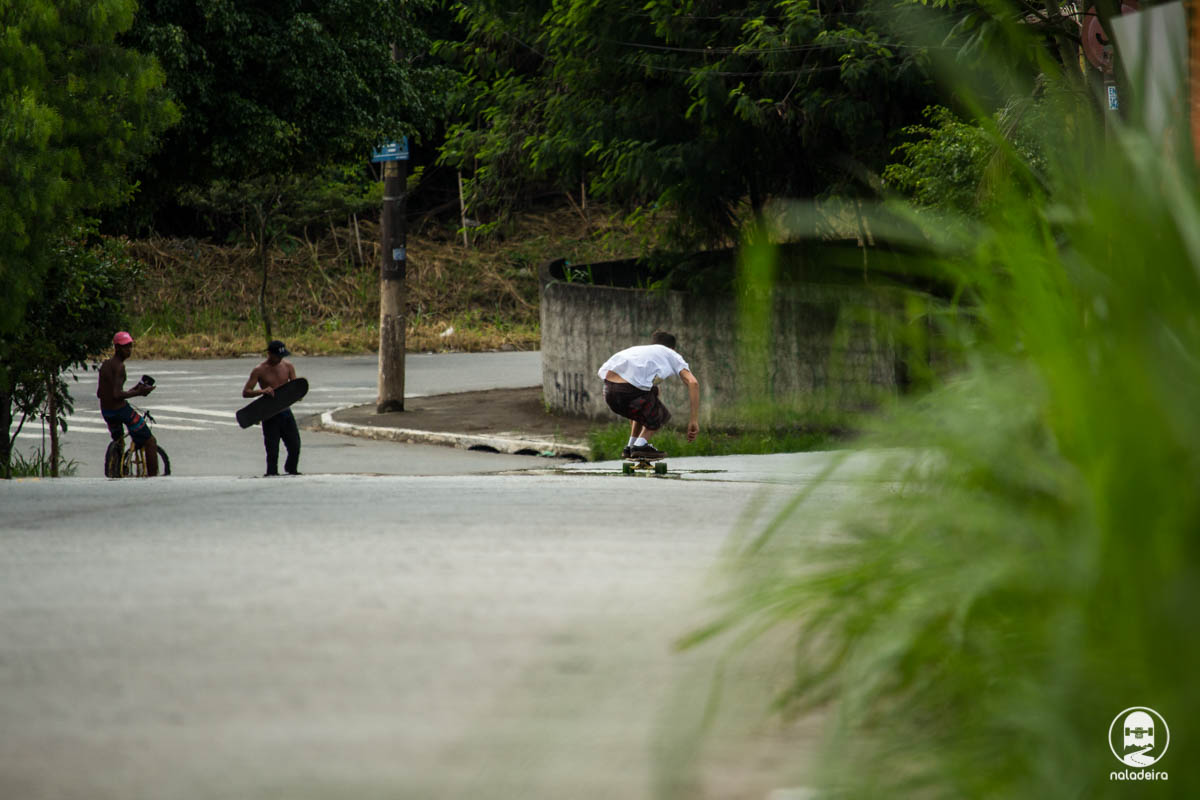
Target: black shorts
x: 125, y: 417
x: 636, y: 404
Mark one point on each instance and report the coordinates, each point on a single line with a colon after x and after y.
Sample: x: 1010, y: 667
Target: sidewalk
x: 503, y: 420
x: 515, y: 421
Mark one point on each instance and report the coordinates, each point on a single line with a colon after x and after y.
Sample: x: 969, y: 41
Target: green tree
x: 277, y: 89
x: 69, y: 322
x: 946, y: 165
x: 76, y: 109
x: 274, y: 205
x: 702, y: 108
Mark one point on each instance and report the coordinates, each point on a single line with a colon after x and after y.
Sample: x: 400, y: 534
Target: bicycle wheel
x: 134, y: 464
x: 114, y: 458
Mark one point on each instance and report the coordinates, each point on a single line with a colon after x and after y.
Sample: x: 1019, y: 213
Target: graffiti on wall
x: 570, y: 391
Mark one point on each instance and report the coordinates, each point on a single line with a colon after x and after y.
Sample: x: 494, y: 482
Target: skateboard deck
x: 632, y: 466
x: 269, y: 405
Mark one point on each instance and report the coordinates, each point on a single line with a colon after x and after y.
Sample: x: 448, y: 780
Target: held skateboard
x: 634, y: 465
x: 267, y: 406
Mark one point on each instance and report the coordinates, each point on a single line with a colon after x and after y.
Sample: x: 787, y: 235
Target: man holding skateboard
x: 116, y: 412
x: 269, y: 376
x: 630, y: 377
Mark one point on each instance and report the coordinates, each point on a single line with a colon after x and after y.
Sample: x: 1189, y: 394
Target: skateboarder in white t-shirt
x: 630, y: 389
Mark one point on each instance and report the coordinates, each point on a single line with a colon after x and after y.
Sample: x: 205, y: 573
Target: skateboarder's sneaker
x: 625, y: 453
x: 645, y: 451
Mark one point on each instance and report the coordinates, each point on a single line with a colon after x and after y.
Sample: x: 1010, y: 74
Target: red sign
x: 1096, y: 46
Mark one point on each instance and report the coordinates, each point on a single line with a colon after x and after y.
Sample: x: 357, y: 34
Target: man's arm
x: 291, y: 371
x: 249, y: 391
x: 693, y: 385
x: 117, y: 380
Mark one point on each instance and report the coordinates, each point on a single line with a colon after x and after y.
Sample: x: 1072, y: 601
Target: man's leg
x: 291, y: 440
x: 150, y: 450
x: 144, y: 440
x: 635, y: 428
x: 651, y: 412
x: 271, y: 442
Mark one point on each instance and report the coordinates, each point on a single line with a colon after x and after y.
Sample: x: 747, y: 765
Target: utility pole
x: 393, y: 263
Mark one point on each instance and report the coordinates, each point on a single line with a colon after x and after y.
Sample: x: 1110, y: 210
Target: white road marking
x: 193, y: 419
x: 31, y: 434
x: 156, y: 426
x: 192, y: 410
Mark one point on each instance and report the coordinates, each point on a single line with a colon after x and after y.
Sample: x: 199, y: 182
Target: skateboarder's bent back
x: 270, y: 375
x: 630, y: 377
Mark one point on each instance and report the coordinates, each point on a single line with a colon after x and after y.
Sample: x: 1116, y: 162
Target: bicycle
x: 131, y: 463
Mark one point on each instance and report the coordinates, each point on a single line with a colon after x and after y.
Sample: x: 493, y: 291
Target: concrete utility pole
x: 393, y: 265
x: 392, y: 268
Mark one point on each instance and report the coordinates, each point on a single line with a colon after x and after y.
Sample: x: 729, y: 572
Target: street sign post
x: 391, y: 151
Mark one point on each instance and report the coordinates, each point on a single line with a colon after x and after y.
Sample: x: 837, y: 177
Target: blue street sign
x: 392, y: 151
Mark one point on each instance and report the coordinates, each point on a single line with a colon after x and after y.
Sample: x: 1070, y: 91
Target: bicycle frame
x: 126, y: 463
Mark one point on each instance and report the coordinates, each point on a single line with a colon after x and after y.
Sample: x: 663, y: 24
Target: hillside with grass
x: 200, y: 299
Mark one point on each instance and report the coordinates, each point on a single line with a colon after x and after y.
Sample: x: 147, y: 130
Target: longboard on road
x: 266, y: 406
x: 635, y: 465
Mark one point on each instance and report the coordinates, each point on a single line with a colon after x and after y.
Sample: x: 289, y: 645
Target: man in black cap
x: 269, y: 375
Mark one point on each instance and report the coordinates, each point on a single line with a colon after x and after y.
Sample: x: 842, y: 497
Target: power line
x: 799, y: 48
x: 723, y: 73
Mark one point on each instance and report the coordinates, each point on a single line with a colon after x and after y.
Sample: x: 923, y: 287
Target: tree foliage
x: 694, y: 106
x: 270, y: 88
x: 76, y: 109
x: 70, y: 321
x: 946, y: 164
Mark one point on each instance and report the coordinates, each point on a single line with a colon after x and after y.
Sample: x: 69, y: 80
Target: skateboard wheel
x: 660, y: 468
x: 627, y: 469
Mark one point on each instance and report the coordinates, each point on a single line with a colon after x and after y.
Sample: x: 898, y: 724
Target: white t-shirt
x: 645, y: 365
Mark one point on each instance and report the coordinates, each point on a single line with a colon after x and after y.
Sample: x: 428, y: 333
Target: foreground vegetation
x: 1024, y: 566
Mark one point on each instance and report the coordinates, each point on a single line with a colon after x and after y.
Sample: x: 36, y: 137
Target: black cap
x: 278, y: 348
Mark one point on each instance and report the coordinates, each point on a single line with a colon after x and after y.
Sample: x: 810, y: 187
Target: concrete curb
x: 504, y: 444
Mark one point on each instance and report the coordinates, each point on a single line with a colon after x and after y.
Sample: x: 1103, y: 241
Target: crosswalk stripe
x: 192, y: 410
x: 70, y: 429
x: 157, y: 417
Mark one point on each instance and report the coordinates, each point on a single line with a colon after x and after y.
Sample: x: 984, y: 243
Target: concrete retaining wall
x: 831, y: 341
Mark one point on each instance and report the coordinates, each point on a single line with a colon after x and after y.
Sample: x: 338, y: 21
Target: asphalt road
x: 341, y: 636
x: 482, y: 633
x: 194, y: 402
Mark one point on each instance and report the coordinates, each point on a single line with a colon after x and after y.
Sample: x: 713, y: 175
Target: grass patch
x: 607, y: 443
x: 237, y: 339
x: 37, y: 465
x: 198, y: 299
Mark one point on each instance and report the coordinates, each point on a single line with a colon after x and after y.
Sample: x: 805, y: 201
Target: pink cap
x: 122, y: 338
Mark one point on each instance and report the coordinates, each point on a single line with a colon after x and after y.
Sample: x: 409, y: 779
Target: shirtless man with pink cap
x: 116, y: 411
